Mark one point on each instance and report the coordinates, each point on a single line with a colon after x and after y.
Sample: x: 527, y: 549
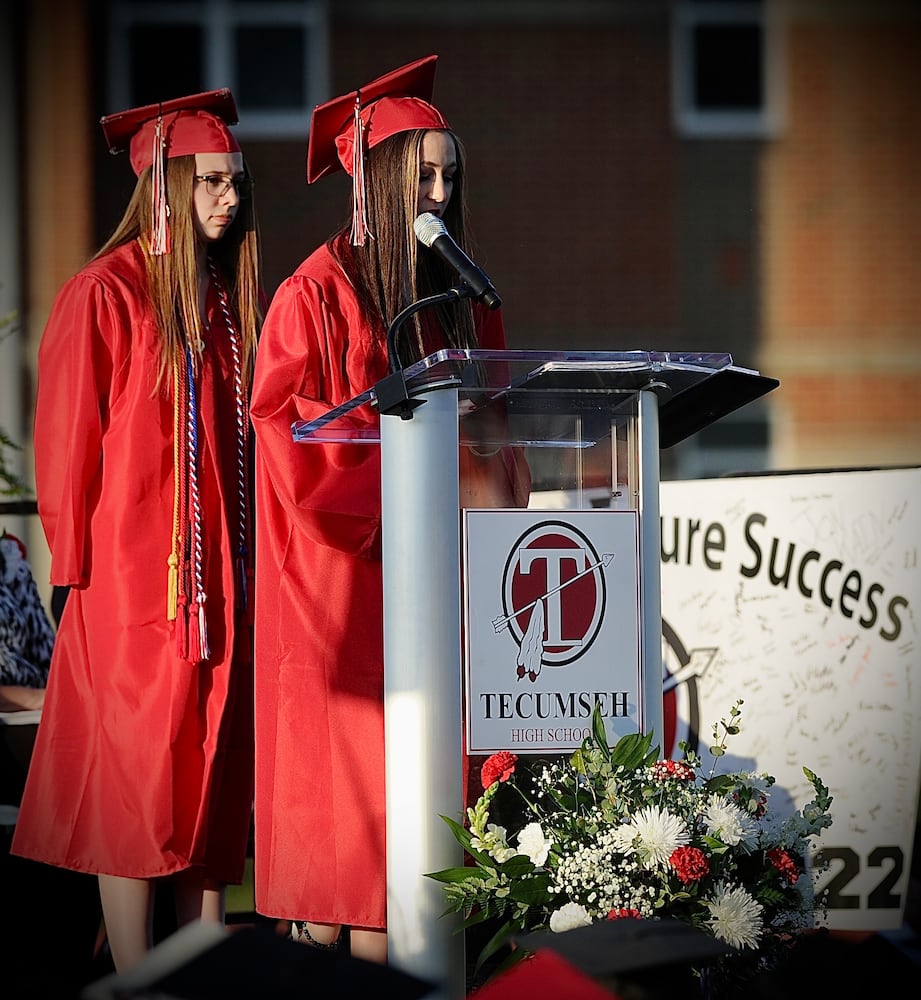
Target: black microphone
x: 430, y: 231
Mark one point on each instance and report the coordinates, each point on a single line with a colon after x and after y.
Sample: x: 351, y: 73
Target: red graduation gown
x: 319, y: 806
x: 143, y: 761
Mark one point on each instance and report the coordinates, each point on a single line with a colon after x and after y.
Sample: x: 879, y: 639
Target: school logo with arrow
x: 553, y: 596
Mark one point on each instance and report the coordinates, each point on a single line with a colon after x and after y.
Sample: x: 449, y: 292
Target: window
x: 271, y: 53
x: 726, y: 69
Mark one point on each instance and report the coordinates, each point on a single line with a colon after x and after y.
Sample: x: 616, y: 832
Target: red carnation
x: 784, y: 864
x: 624, y: 914
x: 499, y: 767
x: 689, y: 863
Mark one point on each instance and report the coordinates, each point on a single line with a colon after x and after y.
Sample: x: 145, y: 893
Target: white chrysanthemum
x: 622, y: 838
x: 533, y: 844
x: 731, y: 824
x: 735, y: 916
x: 659, y: 832
x: 568, y: 918
x: 494, y: 843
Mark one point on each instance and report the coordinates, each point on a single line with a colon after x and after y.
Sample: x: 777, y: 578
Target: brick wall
x: 842, y: 241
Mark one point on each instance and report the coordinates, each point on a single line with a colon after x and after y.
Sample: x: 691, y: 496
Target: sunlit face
x: 214, y: 213
x: 437, y: 166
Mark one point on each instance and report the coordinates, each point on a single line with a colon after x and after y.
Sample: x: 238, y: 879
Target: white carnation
x: 533, y: 844
x: 568, y: 918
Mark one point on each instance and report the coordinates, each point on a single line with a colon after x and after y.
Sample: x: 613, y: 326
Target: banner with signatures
x: 801, y: 595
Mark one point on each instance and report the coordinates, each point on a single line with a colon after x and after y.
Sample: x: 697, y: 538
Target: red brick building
x: 644, y: 174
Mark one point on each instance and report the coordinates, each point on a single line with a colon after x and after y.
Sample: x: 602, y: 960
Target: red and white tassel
x: 204, y: 650
x: 194, y: 650
x: 360, y: 230
x: 160, y: 235
x: 198, y: 650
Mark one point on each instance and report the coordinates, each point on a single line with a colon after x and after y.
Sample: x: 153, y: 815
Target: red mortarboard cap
x: 396, y: 102
x: 155, y: 133
x: 193, y: 124
x: 542, y: 976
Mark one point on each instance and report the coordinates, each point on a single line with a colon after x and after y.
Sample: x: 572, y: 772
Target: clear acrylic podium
x: 591, y: 424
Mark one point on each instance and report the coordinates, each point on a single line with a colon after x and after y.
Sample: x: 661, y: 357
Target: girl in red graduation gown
x: 319, y: 808
x: 142, y: 766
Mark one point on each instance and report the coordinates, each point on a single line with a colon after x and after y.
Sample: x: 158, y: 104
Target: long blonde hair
x: 392, y: 271
x: 173, y: 277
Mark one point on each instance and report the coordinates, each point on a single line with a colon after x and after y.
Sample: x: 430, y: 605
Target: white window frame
x: 694, y: 122
x: 218, y: 19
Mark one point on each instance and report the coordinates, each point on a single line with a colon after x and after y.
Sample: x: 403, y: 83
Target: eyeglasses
x: 217, y: 185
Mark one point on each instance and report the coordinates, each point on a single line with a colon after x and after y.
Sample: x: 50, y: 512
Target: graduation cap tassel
x: 360, y: 231
x: 160, y: 236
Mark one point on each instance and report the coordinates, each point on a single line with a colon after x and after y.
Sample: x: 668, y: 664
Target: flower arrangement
x: 614, y: 832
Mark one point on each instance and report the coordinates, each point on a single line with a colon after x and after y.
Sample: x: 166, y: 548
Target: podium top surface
x: 693, y: 390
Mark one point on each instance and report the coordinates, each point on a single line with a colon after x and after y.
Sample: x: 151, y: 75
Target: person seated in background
x: 26, y: 633
x: 27, y: 638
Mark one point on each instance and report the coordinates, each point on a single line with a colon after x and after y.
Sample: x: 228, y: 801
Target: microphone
x: 431, y: 232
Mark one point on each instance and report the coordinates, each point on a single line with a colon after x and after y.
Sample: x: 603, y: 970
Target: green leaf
x: 532, y: 891
x: 633, y: 751
x: 461, y: 833
x: 514, y: 956
x: 822, y: 799
x: 477, y: 917
x: 499, y: 940
x: 462, y: 836
x: 771, y: 894
x: 520, y: 864
x: 454, y: 874
x: 719, y: 783
x: 599, y: 733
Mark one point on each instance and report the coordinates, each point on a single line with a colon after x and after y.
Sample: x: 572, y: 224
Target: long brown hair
x: 392, y: 270
x: 173, y: 277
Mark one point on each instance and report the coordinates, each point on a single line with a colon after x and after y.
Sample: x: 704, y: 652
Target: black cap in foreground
x: 207, y: 962
x: 629, y: 945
